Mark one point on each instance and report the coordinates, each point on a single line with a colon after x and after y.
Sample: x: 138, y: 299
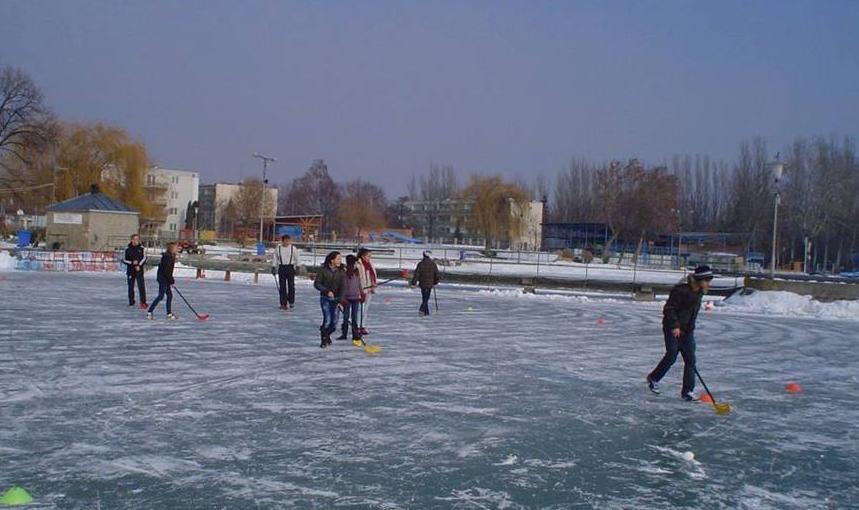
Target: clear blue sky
x: 381, y: 89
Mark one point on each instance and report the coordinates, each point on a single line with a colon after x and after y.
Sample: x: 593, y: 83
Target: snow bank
x: 7, y: 261
x: 790, y: 304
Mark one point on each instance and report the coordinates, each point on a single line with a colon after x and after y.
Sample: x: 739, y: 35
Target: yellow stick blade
x: 372, y: 349
x: 722, y: 407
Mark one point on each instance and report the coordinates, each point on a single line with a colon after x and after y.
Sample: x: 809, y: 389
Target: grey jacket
x: 329, y: 280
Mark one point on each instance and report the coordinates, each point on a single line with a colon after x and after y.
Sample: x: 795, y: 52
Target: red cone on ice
x: 793, y: 387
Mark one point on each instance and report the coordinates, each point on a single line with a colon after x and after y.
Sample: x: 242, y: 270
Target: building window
x: 150, y: 180
x: 173, y: 227
x: 174, y: 195
x: 175, y: 180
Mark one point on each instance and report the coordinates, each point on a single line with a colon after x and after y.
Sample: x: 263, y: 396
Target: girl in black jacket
x: 329, y: 283
x: 165, y: 281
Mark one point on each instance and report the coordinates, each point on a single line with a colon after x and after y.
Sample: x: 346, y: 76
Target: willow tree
x: 88, y: 154
x: 499, y: 208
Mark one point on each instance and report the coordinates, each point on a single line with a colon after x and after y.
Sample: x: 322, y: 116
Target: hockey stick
x: 719, y: 407
x: 201, y: 317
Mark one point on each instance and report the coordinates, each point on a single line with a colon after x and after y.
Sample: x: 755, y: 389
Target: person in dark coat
x: 426, y: 277
x: 134, y: 260
x: 329, y: 283
x: 165, y: 281
x: 678, y: 328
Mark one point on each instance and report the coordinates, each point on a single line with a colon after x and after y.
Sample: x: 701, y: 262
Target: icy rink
x: 499, y: 401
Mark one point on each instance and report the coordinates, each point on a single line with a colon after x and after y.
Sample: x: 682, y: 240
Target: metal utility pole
x: 54, y: 182
x: 777, y: 170
x: 265, y: 161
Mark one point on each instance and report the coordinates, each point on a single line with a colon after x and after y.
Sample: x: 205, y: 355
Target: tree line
x: 819, y: 198
x: 45, y: 159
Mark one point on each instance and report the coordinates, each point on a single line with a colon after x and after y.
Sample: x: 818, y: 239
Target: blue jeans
x: 329, y: 313
x: 685, y: 345
x: 163, y: 288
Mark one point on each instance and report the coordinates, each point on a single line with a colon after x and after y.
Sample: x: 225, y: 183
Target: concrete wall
x: 531, y: 234
x: 97, y: 230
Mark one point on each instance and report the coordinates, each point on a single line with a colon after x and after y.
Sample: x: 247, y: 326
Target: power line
x: 25, y: 188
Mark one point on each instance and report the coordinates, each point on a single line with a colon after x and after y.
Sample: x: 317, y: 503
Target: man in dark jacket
x: 165, y: 281
x: 426, y: 277
x: 134, y: 260
x: 678, y: 327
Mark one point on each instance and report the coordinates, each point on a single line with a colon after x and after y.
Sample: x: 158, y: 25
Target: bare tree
x: 315, y: 192
x: 252, y: 200
x: 24, y: 118
x: 363, y: 207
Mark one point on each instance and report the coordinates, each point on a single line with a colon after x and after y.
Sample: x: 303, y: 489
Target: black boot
x: 343, y: 332
x: 323, y: 334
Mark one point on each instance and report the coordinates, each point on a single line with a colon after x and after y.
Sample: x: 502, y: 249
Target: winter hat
x: 427, y: 253
x: 351, y: 259
x: 702, y: 273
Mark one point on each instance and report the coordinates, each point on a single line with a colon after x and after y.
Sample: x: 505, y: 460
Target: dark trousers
x: 136, y: 276
x: 286, y: 278
x: 685, y: 345
x: 350, y: 314
x: 163, y: 289
x: 426, y: 292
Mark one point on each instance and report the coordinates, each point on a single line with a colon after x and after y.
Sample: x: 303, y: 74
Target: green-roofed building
x: 90, y: 222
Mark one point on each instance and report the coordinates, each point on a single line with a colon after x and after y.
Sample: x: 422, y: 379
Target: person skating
x: 426, y: 277
x: 329, y: 283
x: 165, y: 281
x: 283, y: 264
x: 134, y: 260
x: 367, y: 273
x: 678, y: 328
x: 353, y: 295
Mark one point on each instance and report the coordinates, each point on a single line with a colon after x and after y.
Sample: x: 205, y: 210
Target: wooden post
x: 227, y: 275
x: 199, y: 273
x: 256, y: 276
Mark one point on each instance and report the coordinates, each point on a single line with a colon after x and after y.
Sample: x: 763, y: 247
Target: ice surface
x: 523, y: 401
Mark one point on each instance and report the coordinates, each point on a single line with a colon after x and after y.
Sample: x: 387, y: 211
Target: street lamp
x: 777, y: 169
x: 265, y: 161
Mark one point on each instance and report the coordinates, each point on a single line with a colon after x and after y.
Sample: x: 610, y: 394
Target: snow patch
x: 7, y: 261
x: 790, y: 304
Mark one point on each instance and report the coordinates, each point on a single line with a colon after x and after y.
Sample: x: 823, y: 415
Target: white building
x: 179, y: 187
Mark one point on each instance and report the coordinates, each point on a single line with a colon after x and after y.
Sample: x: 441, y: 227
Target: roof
x: 90, y: 202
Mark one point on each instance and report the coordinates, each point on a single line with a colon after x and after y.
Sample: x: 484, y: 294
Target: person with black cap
x: 678, y: 327
x: 426, y: 277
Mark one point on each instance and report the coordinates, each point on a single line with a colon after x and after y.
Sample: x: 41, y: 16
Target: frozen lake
x: 499, y: 401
